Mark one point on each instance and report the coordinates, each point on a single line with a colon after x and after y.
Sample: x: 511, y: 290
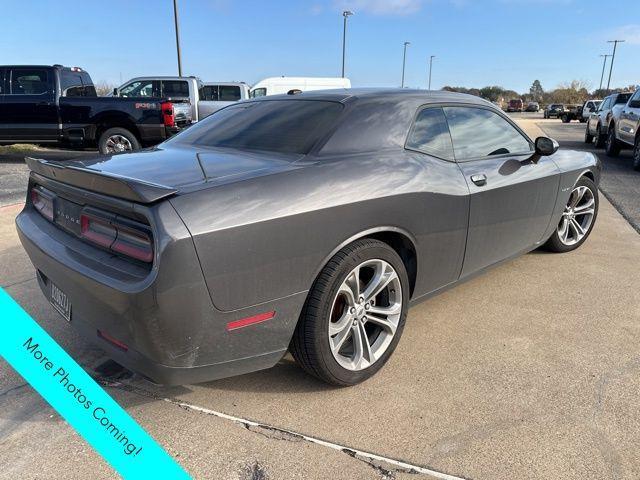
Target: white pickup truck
x: 205, y: 98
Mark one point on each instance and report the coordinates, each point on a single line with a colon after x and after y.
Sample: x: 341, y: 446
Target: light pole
x: 613, y: 57
x: 404, y: 61
x: 604, y: 65
x: 430, y: 68
x: 346, y: 14
x: 175, y: 20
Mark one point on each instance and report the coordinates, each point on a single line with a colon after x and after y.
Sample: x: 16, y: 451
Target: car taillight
x: 43, y: 203
x: 118, y: 235
x: 168, y: 116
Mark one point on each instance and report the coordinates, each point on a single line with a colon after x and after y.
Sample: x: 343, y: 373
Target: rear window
x: 283, y: 126
x: 76, y: 84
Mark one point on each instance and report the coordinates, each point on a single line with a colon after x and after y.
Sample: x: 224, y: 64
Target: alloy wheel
x: 118, y: 144
x: 365, y: 314
x: 577, y: 216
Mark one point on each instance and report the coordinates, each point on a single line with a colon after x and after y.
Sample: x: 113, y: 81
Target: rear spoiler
x: 108, y: 184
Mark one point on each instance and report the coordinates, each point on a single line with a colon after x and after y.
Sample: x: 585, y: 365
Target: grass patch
x: 19, y: 149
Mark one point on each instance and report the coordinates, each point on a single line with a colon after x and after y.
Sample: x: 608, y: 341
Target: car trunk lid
x: 151, y: 175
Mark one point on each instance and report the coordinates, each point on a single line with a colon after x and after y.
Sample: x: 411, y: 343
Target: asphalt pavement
x: 14, y: 173
x: 531, y: 370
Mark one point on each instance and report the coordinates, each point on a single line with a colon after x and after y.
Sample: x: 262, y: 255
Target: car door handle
x: 479, y: 179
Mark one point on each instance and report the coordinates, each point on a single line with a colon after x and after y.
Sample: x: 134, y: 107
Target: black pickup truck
x: 56, y: 104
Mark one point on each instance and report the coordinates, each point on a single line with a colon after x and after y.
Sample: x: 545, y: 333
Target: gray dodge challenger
x: 307, y: 223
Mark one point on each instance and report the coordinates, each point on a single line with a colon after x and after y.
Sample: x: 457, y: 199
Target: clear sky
x: 484, y: 42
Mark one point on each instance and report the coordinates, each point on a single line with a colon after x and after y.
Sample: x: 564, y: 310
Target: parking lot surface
x: 531, y: 370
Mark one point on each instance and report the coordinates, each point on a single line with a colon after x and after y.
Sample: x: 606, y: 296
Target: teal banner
x: 83, y: 403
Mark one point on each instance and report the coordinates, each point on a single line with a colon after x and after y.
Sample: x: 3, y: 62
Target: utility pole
x: 404, y: 61
x: 430, y: 68
x: 175, y: 19
x: 346, y: 14
x: 604, y: 65
x: 613, y: 57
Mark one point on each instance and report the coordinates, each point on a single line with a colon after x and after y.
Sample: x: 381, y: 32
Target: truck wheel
x: 612, y: 146
x: 588, y: 138
x: 636, y: 155
x: 117, y: 140
x: 600, y: 138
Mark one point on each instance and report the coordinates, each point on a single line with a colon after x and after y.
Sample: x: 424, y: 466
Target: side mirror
x: 115, y: 92
x: 546, y: 146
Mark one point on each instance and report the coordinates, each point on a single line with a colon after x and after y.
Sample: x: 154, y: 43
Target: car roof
x: 391, y: 94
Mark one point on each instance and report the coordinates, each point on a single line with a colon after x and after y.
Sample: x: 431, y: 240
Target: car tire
x: 588, y: 138
x: 564, y: 118
x: 331, y: 306
x: 117, y: 140
x: 611, y: 145
x: 567, y: 236
x: 636, y: 155
x: 600, y: 137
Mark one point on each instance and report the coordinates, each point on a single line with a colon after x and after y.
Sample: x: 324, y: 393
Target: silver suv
x: 604, y: 118
x: 627, y: 130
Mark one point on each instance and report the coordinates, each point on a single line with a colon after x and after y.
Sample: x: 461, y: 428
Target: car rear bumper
x: 171, y: 332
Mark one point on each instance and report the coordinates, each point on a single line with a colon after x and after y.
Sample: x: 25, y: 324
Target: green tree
x: 536, y: 91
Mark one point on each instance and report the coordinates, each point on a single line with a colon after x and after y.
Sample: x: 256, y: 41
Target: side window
x: 605, y: 104
x: 258, y: 92
x: 175, y: 88
x: 478, y: 133
x: 430, y: 134
x: 209, y: 93
x: 30, y: 81
x: 229, y: 93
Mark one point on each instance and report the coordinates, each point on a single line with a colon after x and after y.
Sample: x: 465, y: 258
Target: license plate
x: 60, y: 302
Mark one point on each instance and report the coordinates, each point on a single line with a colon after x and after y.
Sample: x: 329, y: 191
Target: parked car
x: 308, y: 222
x: 604, y: 118
x: 571, y: 112
x: 553, y: 110
x: 589, y: 107
x: 204, y: 98
x: 626, y: 132
x: 533, y: 107
x: 515, y: 105
x: 58, y: 105
x: 280, y: 85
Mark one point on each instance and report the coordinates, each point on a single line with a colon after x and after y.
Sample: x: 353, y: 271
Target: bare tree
x: 103, y: 88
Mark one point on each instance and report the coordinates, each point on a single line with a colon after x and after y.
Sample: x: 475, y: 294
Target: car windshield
x: 283, y: 126
x: 137, y: 89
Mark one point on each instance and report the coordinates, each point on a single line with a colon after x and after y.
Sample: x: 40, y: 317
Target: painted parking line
x: 399, y: 464
x: 14, y: 207
x: 78, y: 398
